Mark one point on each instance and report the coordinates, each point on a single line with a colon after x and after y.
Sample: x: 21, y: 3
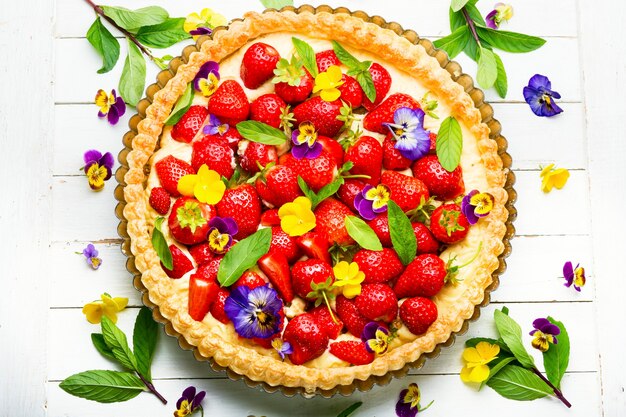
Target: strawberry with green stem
x: 448, y: 224
x: 292, y: 82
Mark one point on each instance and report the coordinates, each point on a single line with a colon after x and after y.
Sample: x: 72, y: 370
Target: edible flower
x: 255, y: 313
x: 305, y: 144
x: 106, y: 306
x: 539, y: 95
x: 544, y: 334
x: 282, y: 347
x: 111, y: 106
x: 189, y: 402
x: 215, y: 127
x: 376, y: 337
x: 501, y: 13
x: 203, y: 23
x: 207, y: 78
x: 297, y: 218
x: 553, y: 177
x: 97, y: 168
x: 327, y: 82
x: 574, y: 276
x: 412, y: 140
x: 408, y: 404
x: 476, y: 360
x: 476, y: 205
x: 372, y: 200
x: 91, y: 256
x: 206, y: 185
x: 221, y: 232
x: 348, y: 278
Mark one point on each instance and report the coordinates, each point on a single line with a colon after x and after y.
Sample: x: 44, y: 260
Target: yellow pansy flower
x: 206, y: 186
x: 476, y: 360
x: 107, y: 306
x: 553, y: 177
x: 297, y: 218
x: 206, y: 19
x: 348, y: 278
x: 327, y: 82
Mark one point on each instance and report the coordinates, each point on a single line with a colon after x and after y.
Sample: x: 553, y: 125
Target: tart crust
x: 404, y: 55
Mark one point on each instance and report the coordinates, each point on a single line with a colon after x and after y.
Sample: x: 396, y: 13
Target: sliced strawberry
x: 170, y: 170
x: 217, y: 307
x: 180, y: 263
x: 202, y: 294
x: 383, y: 113
x: 250, y: 279
x: 160, y: 200
x: 189, y: 125
x: 229, y: 103
x: 276, y: 268
x: 352, y: 351
x: 270, y: 218
x: 201, y: 253
x: 314, y: 246
x: 215, y: 153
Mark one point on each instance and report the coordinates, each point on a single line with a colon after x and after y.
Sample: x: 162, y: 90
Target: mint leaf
x: 364, y: 78
x: 132, y: 20
x: 496, y: 367
x: 476, y: 340
x: 306, y: 54
x: 163, y: 35
x: 351, y: 409
x: 101, y: 39
x: 511, y: 334
x: 145, y: 336
x: 160, y: 244
x: 457, y: 5
x: 103, y: 386
x: 98, y: 341
x: 362, y: 233
x: 115, y: 339
x: 449, y: 144
x: 455, y: 42
x: 359, y: 70
x: 510, y: 41
x: 346, y: 57
x: 276, y: 4
x: 308, y: 193
x: 516, y: 383
x: 487, y: 68
x: 182, y: 105
x: 261, y: 133
x: 556, y: 359
x: 243, y: 255
x: 133, y: 77
x: 326, y: 191
x: 501, y: 84
x: 402, y: 234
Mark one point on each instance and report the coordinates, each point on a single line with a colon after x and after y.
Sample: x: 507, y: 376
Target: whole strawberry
x: 250, y: 279
x: 330, y: 217
x: 306, y: 337
x: 258, y: 65
x: 229, y: 103
x: 426, y: 243
x: 323, y: 115
x: 331, y: 327
x: 297, y: 93
x: 382, y: 84
x: 333, y: 147
x: 380, y: 226
x: 350, y: 315
x: 160, y: 200
x: 169, y: 170
x: 352, y: 351
x: 423, y: 277
x: 201, y: 252
x: 440, y: 182
x: 366, y: 153
x: 215, y: 153
x: 406, y: 191
x: 316, y: 172
x: 349, y: 189
x: 448, y: 224
x: 418, y: 314
x: 325, y: 59
x: 217, y: 307
x: 383, y: 113
x: 180, y: 263
x: 351, y: 91
x: 311, y: 271
x: 278, y: 185
x: 392, y: 158
x: 378, y: 266
x: 285, y: 244
x: 268, y: 109
x: 254, y: 154
x: 208, y: 270
x: 377, y: 302
x: 189, y: 125
x: 270, y: 218
x: 242, y: 203
x: 189, y: 220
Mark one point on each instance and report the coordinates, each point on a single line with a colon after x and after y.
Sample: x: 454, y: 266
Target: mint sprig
x: 325, y: 192
x: 105, y: 44
x: 357, y: 69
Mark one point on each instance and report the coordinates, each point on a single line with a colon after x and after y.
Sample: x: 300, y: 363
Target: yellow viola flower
x: 297, y: 218
x: 107, y: 306
x: 203, y: 23
x: 206, y: 186
x: 327, y: 82
x: 348, y: 278
x: 553, y: 177
x: 476, y: 360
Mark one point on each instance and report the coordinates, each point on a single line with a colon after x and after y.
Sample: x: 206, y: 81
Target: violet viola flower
x: 540, y: 97
x: 91, y: 256
x: 221, y: 232
x: 111, y: 106
x: 574, y: 276
x: 98, y: 168
x: 376, y: 337
x: 408, y: 404
x: 207, y: 78
x: 544, y: 334
x: 412, y: 140
x: 305, y: 144
x: 254, y: 313
x: 201, y: 30
x: 189, y: 402
x: 501, y: 13
x: 476, y: 205
x: 372, y: 200
x: 215, y: 127
x: 282, y: 347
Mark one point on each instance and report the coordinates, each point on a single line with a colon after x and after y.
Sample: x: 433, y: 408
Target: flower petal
x: 186, y: 184
x: 487, y: 351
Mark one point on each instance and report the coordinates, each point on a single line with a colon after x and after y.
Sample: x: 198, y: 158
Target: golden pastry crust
x: 397, y: 51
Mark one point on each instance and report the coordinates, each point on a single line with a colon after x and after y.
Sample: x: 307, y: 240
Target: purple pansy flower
x: 476, y: 205
x: 575, y: 276
x: 255, y: 313
x: 539, y: 95
x: 215, y: 126
x: 408, y: 404
x: 501, y: 13
x: 98, y: 168
x: 305, y: 144
x: 201, y: 30
x: 111, y: 106
x: 282, y: 347
x: 207, y: 78
x: 412, y: 140
x: 372, y: 200
x: 544, y: 334
x: 91, y: 256
x: 221, y: 232
x: 189, y: 402
x: 376, y: 337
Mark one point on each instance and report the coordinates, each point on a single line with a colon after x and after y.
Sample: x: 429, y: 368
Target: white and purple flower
x: 540, y: 96
x: 207, y: 78
x: 282, y: 347
x: 372, y: 201
x: 215, y: 127
x: 91, y: 256
x: 221, y: 232
x: 305, y: 144
x: 501, y: 13
x: 412, y: 140
x: 255, y: 313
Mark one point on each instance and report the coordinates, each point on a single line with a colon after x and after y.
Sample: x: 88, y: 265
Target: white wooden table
x: 47, y: 212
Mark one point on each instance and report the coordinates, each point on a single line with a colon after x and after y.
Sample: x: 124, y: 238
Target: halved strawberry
x: 217, y: 307
x: 285, y: 244
x: 180, y: 263
x: 383, y: 113
x: 276, y: 268
x: 382, y: 84
x: 352, y: 351
x: 189, y: 125
x: 314, y: 246
x: 170, y: 170
x: 323, y: 115
x: 215, y: 153
x: 257, y: 65
x: 189, y: 220
x: 229, y: 103
x: 202, y: 294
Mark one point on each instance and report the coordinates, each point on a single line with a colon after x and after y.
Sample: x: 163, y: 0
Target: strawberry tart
x: 313, y: 201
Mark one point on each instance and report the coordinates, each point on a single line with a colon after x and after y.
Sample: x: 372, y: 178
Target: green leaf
x: 243, y: 255
x: 501, y: 84
x: 476, y: 340
x: 351, y: 409
x: 455, y: 42
x: 101, y: 39
x: 496, y: 367
x: 260, y: 132
x: 326, y: 191
x: 98, y: 341
x: 181, y: 107
x: 276, y: 4
x: 556, y: 359
x: 457, y: 5
x: 306, y: 54
x: 510, y: 41
x: 456, y: 19
x: 133, y: 75
x: 103, y: 386
x: 132, y: 20
x: 160, y: 244
x: 116, y: 341
x: 516, y: 383
x: 364, y: 78
x: 145, y: 336
x: 449, y: 143
x: 346, y: 57
x: 402, y: 234
x: 487, y: 68
x: 164, y: 34
x: 362, y: 233
x: 511, y: 333
x: 471, y: 49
